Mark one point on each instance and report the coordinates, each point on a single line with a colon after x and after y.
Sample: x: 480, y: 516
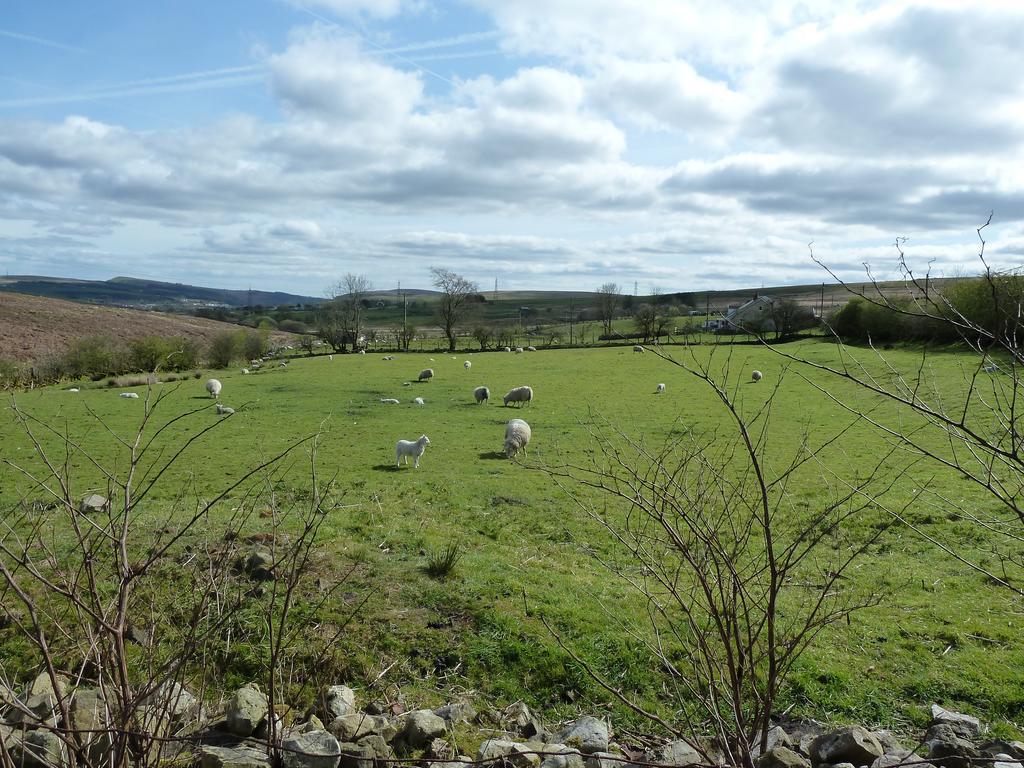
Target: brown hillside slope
x: 33, y: 328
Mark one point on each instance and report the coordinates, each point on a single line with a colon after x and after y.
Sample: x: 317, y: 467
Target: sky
x: 670, y: 145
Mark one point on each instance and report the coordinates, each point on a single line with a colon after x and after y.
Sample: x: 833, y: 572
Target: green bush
x: 94, y: 356
x: 225, y: 347
x: 255, y: 343
x: 10, y: 374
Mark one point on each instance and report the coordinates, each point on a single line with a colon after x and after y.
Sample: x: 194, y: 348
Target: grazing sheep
x: 409, y: 448
x: 517, y: 437
x: 519, y: 395
x: 73, y: 389
x: 482, y: 394
x: 330, y: 357
x: 223, y: 409
x: 406, y: 383
x: 133, y: 395
x: 755, y: 376
x: 213, y: 387
x: 389, y: 401
x: 388, y: 357
x: 245, y: 371
x: 660, y: 389
x: 418, y: 401
x: 531, y: 349
x: 426, y: 374
x: 519, y: 350
x: 284, y: 363
x: 362, y: 351
x: 467, y: 365
x: 508, y: 349
x: 638, y: 348
x: 991, y: 368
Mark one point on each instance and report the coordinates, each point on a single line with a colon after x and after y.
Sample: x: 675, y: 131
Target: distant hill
x: 34, y: 327
x: 147, y: 294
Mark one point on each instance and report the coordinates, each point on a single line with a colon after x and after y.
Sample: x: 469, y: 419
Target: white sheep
x: 133, y: 395
x: 223, y: 409
x: 519, y: 350
x: 418, y: 401
x: 531, y: 349
x: 467, y: 365
x: 519, y: 395
x: 73, y: 389
x: 388, y: 357
x: 426, y: 374
x: 638, y: 348
x: 660, y: 388
x: 245, y: 371
x: 330, y: 357
x: 755, y: 376
x: 508, y: 349
x: 213, y: 387
x: 362, y: 351
x: 991, y: 368
x: 389, y: 401
x: 517, y: 437
x: 482, y: 394
x: 409, y: 448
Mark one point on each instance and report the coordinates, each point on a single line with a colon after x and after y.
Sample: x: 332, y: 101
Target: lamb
x: 133, y: 395
x: 426, y: 374
x: 991, y: 368
x: 519, y: 395
x: 517, y: 437
x: 245, y: 371
x: 389, y: 401
x: 73, y: 389
x: 409, y: 448
x: 330, y: 357
x: 531, y: 349
x: 482, y: 394
x: 223, y: 409
x: 755, y: 376
x: 660, y: 388
x: 638, y: 348
x: 388, y: 357
x: 519, y: 350
x: 508, y: 349
x: 213, y: 387
x: 467, y: 365
x: 418, y: 401
x: 361, y: 352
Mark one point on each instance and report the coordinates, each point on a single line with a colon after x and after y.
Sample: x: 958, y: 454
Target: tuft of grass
x: 441, y: 563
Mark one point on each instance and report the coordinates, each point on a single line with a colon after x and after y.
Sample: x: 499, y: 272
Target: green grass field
x: 941, y: 632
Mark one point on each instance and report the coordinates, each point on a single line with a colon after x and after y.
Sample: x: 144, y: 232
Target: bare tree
x: 739, y: 576
x: 457, y: 299
x: 608, y: 297
x: 343, y: 318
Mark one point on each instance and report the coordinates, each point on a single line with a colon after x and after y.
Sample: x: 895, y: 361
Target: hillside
x: 148, y: 294
x: 33, y: 327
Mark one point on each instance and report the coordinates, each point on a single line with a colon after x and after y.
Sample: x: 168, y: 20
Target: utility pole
x: 495, y: 289
x: 571, y: 319
x: 405, y: 323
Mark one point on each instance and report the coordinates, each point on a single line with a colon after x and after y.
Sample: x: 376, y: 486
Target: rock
x: 93, y: 503
x: 1005, y: 761
x: 313, y: 749
x: 42, y: 710
x: 175, y: 699
x: 440, y: 749
x: 42, y: 684
x: 588, y: 734
x: 846, y: 745
x: 456, y: 713
x: 260, y: 564
x: 606, y: 760
x: 947, y: 748
x: 888, y: 761
x: 41, y: 749
x: 354, y: 726
x: 338, y: 700
x: 420, y: 727
x: 782, y: 757
x: 521, y: 720
x: 680, y: 753
x: 516, y: 755
x: 967, y: 727
x: 560, y: 756
x: 247, y: 708
x: 243, y: 756
x: 89, y: 713
x: 890, y: 744
x: 380, y: 747
x: 356, y: 756
x: 312, y: 724
x: 993, y: 747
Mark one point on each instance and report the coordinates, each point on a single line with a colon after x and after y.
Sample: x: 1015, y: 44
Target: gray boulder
x: 338, y: 700
x: 355, y: 756
x: 560, y: 756
x: 40, y: 749
x: 173, y: 698
x: 588, y: 734
x: 420, y: 727
x: 966, y: 726
x: 947, y: 748
x: 441, y: 749
x: 313, y: 749
x: 679, y: 752
x: 355, y: 726
x: 782, y: 757
x: 890, y: 744
x: 37, y: 710
x: 381, y: 749
x: 242, y: 756
x: 993, y: 747
x: 606, y: 760
x: 890, y: 761
x: 846, y: 745
x: 93, y: 503
x: 246, y: 710
x: 519, y: 719
x: 509, y: 752
x: 456, y: 712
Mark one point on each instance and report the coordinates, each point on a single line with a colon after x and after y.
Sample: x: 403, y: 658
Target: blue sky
x: 682, y: 144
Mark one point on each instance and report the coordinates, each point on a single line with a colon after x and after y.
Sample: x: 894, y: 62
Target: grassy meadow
x: 940, y: 633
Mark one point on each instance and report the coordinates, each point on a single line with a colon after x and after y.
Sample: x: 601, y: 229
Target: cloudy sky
x: 677, y: 144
